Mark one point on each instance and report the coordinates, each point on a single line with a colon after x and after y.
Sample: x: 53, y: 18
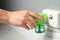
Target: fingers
x: 32, y: 20
x: 29, y: 24
x: 36, y: 15
x: 25, y: 26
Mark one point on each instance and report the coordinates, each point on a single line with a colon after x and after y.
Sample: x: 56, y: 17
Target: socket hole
x: 50, y: 17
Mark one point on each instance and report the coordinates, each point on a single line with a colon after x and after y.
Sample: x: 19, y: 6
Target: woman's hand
x: 24, y: 18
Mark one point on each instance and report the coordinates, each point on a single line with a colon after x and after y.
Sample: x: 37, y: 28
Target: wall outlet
x: 53, y: 17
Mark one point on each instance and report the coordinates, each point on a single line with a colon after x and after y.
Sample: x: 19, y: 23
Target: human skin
x: 22, y: 18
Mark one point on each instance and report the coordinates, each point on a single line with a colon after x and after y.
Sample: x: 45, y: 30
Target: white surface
x: 9, y: 32
x: 30, y: 34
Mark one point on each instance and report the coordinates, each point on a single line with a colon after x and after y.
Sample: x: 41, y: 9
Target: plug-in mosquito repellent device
x: 53, y: 28
x: 53, y: 17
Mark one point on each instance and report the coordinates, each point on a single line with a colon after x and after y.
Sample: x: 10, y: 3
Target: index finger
x: 36, y: 15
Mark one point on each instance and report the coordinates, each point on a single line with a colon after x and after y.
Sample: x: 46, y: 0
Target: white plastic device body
x: 53, y: 17
x: 53, y: 29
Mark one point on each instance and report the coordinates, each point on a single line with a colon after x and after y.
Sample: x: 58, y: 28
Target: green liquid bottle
x: 40, y: 28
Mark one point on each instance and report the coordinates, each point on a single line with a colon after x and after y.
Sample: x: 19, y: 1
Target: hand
x: 24, y: 18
